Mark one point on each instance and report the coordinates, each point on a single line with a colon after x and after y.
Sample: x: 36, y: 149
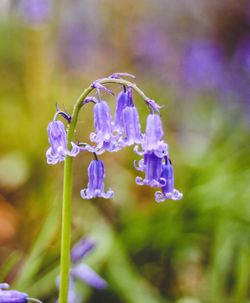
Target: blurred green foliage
x: 191, y: 251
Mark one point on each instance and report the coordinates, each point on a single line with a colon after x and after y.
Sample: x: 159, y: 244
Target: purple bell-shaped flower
x: 58, y: 143
x: 152, y: 139
x: 96, y: 173
x: 14, y: 296
x: 11, y: 296
x: 168, y: 190
x: 121, y: 103
x: 151, y: 165
x: 103, y: 135
x: 130, y: 122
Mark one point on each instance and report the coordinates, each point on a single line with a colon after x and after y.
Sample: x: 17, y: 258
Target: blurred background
x: 191, y: 56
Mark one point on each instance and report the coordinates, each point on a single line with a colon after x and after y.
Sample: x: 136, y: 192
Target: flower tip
x: 155, y: 106
x: 119, y: 75
x: 98, y: 85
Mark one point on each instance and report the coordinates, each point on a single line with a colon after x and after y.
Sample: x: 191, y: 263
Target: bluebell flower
x: 58, y: 141
x: 152, y: 139
x: 151, y: 165
x: 96, y: 173
x: 82, y: 272
x: 121, y: 103
x: 14, y: 296
x: 132, y: 127
x: 127, y: 122
x: 103, y: 135
x: 168, y: 191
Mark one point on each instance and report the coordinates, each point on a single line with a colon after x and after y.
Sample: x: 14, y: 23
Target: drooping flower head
x: 96, y: 173
x: 168, y: 190
x: 152, y: 139
x: 58, y: 143
x: 151, y: 165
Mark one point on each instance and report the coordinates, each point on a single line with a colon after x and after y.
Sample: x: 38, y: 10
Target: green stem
x: 67, y: 188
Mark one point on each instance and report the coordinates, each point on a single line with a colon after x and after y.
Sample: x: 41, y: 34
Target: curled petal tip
x: 89, y: 99
x: 108, y: 195
x: 119, y: 75
x: 63, y: 113
x: 139, y: 181
x: 174, y: 195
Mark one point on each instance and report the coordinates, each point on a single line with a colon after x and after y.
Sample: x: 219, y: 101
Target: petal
x: 13, y: 296
x: 121, y: 103
x: 139, y: 181
x: 159, y: 196
x: 136, y: 150
x: 132, y: 127
x: 75, y: 150
x: 140, y: 165
x: 176, y: 195
x: 108, y: 195
x: 84, y: 193
x: 86, y: 274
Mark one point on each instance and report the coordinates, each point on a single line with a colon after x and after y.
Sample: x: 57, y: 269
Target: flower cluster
x: 114, y: 134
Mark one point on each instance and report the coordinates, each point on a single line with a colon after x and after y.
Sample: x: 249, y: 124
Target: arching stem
x: 67, y: 187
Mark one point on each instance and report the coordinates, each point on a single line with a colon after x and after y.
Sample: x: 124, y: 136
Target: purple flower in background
x: 150, y: 46
x: 103, y: 135
x: 81, y: 249
x: 168, y: 190
x: 241, y: 60
x: 151, y: 165
x: 151, y: 142
x: 96, y: 173
x: 35, y: 12
x: 58, y: 141
x: 203, y: 65
x: 238, y: 87
x: 82, y: 272
x: 86, y: 274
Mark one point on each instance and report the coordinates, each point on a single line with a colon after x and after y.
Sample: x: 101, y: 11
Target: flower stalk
x: 96, y: 185
x: 67, y: 186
